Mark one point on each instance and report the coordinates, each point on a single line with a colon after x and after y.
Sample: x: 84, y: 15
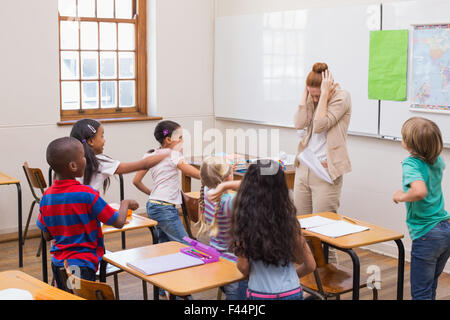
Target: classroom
x: 231, y: 74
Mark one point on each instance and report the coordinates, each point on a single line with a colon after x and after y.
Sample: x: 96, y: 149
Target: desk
x: 182, y: 282
x: 134, y: 222
x: 38, y: 289
x: 6, y: 180
x: 197, y: 161
x: 346, y: 243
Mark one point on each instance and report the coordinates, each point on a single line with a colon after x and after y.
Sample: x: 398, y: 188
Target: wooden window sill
x: 112, y: 120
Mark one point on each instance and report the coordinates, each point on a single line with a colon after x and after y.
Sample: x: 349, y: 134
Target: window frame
x: 139, y: 111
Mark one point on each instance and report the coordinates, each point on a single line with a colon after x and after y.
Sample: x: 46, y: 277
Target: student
x: 215, y: 217
x: 166, y: 193
x: 428, y: 222
x: 266, y: 236
x: 72, y: 213
x: 99, y: 168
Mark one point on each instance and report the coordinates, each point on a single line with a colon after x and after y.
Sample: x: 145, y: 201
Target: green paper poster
x: 388, y: 63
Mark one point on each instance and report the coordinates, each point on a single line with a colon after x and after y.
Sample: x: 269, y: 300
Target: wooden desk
x: 7, y: 180
x: 134, y: 222
x: 346, y: 243
x: 181, y: 282
x: 38, y: 289
x: 197, y: 161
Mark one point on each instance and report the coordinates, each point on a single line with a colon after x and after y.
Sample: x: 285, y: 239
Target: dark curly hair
x: 264, y: 224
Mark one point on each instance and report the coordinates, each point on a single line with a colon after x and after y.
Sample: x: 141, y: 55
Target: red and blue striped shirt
x: 72, y: 213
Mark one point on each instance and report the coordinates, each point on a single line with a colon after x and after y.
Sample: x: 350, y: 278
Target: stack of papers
x: 329, y: 227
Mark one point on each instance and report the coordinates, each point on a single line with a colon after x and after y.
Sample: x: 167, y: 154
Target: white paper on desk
x: 15, y: 294
x: 315, y: 221
x: 308, y: 158
x: 338, y: 229
x: 165, y: 263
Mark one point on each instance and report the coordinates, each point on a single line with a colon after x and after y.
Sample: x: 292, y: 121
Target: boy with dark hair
x: 71, y: 213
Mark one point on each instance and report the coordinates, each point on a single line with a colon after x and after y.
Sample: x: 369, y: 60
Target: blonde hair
x: 422, y: 138
x: 213, y: 171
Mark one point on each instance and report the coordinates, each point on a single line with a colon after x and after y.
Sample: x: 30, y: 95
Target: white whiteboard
x: 262, y: 60
x: 402, y: 15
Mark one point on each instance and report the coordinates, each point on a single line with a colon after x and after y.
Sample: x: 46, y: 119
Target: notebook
x: 329, y: 227
x: 165, y: 263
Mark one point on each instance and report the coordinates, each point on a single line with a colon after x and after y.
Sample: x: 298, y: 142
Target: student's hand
x: 398, y: 196
x: 214, y: 195
x: 133, y: 205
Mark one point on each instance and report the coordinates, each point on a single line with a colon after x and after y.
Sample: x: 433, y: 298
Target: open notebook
x: 165, y: 263
x: 329, y: 227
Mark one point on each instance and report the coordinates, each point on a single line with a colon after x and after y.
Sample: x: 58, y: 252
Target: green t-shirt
x: 424, y: 214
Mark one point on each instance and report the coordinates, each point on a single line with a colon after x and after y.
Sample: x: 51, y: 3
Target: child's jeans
x: 236, y: 290
x: 429, y: 255
x: 170, y: 227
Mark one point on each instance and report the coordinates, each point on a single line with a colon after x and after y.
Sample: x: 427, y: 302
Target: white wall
x: 181, y: 68
x: 376, y: 175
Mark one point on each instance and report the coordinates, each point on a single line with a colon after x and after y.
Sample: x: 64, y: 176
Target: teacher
x: 322, y: 119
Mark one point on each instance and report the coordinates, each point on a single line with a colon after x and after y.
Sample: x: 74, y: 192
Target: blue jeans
x: 170, y: 227
x: 429, y: 255
x: 236, y: 290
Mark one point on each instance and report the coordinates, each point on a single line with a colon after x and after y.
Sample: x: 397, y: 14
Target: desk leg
x: 154, y: 234
x: 356, y: 273
x: 185, y: 183
x: 102, y: 277
x: 123, y: 240
x: 144, y: 289
x: 44, y: 258
x: 401, y: 269
x: 19, y: 208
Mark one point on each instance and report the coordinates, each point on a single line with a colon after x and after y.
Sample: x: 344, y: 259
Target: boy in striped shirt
x: 71, y: 213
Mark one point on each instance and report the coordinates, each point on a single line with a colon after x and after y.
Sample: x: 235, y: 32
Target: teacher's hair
x: 314, y: 78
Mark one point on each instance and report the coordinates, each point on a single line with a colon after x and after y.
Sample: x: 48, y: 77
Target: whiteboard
x: 262, y: 60
x: 402, y: 15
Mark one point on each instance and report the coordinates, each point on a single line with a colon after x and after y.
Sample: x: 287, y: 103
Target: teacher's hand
x: 328, y: 87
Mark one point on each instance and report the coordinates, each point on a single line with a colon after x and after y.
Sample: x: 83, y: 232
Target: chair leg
x: 116, y: 286
x: 38, y: 253
x: 375, y: 293
x: 219, y: 294
x: 30, y: 213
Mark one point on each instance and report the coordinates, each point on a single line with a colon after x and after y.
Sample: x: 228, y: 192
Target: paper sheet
x: 388, y: 65
x: 338, y: 229
x: 308, y: 158
x: 315, y: 221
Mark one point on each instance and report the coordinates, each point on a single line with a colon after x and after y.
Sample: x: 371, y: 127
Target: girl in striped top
x: 215, y: 217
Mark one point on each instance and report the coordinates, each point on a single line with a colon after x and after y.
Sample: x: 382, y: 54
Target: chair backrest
x: 89, y: 290
x: 317, y: 250
x: 190, y: 203
x: 35, y: 179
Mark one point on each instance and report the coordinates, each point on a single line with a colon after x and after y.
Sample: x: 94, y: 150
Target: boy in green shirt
x: 428, y: 222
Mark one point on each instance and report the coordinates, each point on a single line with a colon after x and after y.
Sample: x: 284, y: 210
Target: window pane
x: 126, y: 94
x: 86, y: 8
x: 67, y: 8
x: 105, y: 8
x: 108, y: 36
x: 123, y: 9
x: 108, y: 65
x: 126, y: 65
x: 126, y: 36
x: 69, y: 65
x: 69, y: 35
x: 90, y: 94
x: 89, y: 35
x: 89, y: 65
x: 70, y: 95
x: 109, y: 94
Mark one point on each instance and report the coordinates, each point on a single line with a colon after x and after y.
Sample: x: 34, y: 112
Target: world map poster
x: 431, y: 68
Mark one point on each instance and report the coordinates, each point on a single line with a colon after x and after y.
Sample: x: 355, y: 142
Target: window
x: 103, y: 59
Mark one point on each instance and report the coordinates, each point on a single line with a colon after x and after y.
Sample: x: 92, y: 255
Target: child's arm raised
x: 305, y: 260
x: 188, y: 170
x: 144, y: 164
x: 417, y: 192
x: 137, y: 181
x: 123, y: 210
x: 214, y: 195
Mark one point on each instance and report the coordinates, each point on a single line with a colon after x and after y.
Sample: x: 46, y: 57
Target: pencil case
x: 200, y: 251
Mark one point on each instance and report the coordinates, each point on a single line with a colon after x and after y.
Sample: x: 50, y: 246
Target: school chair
x: 189, y: 208
x: 329, y: 280
x: 35, y: 181
x: 89, y: 290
